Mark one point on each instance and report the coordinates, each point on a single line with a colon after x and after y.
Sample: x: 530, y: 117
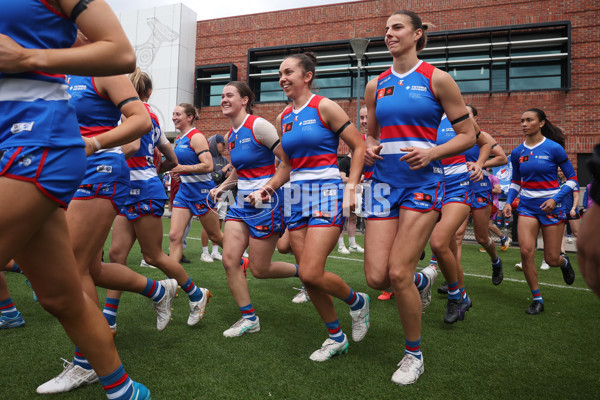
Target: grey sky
x: 215, y: 9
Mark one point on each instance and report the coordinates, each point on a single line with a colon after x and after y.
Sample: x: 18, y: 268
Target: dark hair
x: 550, y: 131
x: 189, y: 109
x: 244, y: 91
x: 307, y: 61
x: 416, y: 23
x: 473, y: 109
x: 142, y: 83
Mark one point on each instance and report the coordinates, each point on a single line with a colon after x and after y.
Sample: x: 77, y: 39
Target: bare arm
x: 372, y: 143
x: 110, y: 52
x: 498, y: 156
x: 200, y: 145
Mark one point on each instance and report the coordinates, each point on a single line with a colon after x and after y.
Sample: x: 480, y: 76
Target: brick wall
x: 576, y: 111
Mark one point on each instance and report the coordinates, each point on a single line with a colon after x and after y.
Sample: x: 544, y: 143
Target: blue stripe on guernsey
x: 117, y: 385
x: 535, y: 175
x: 248, y: 312
x: 192, y: 290
x: 354, y: 300
x: 413, y: 347
x: 34, y: 105
x: 408, y: 115
x: 537, y: 296
x: 310, y: 144
x: 453, y: 292
x: 145, y: 183
x: 154, y: 290
x: 420, y: 280
x: 110, y: 310
x: 8, y: 309
x: 455, y: 167
x: 80, y: 360
x: 335, y: 331
x: 254, y: 163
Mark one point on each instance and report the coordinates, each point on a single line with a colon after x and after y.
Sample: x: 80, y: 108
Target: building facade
x: 505, y: 56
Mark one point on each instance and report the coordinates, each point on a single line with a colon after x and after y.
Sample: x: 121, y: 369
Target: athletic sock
x: 463, y: 295
x: 110, y: 310
x: 296, y: 275
x: 335, y: 331
x: 413, y: 348
x: 453, y: 292
x: 420, y: 280
x: 567, y: 262
x: 8, y: 309
x: 205, y: 249
x: 433, y: 261
x: 352, y: 241
x: 248, y: 312
x: 341, y: 241
x: 15, y: 268
x: 153, y: 290
x: 193, y: 292
x: 117, y: 385
x: 215, y: 249
x: 537, y: 296
x: 355, y: 301
x: 80, y: 360
x: 496, y: 262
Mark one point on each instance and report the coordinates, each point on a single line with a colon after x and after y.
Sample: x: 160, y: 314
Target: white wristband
x: 96, y: 144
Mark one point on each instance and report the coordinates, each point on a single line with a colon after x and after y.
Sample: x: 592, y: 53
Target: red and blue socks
x: 335, y: 331
x: 413, y: 348
x: 248, y: 312
x: 8, y: 309
x: 496, y: 263
x: 80, y: 360
x: 154, y: 290
x: 15, y: 268
x: 110, y: 310
x: 193, y: 292
x: 355, y: 301
x: 537, y: 296
x: 118, y: 385
x: 453, y: 292
x: 463, y: 295
x: 420, y: 280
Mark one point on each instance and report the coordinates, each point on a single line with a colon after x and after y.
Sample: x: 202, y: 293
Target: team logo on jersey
x: 388, y: 91
x: 288, y: 127
x: 423, y: 197
x: 401, y: 82
x: 231, y: 146
x: 523, y: 159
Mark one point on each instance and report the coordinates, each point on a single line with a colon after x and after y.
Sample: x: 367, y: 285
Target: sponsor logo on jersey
x: 387, y: 91
x: 107, y: 169
x: 523, y: 159
x: 135, y: 192
x: 308, y: 122
x: 417, y: 88
x: 329, y: 192
x: 231, y: 145
x: 401, y: 82
x: 384, y: 80
x: 246, y: 140
x: 543, y: 157
x: 21, y: 127
x: 288, y: 127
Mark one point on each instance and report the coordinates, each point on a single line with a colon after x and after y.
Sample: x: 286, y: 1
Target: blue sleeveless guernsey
x: 408, y: 116
x: 193, y: 186
x: 142, y: 171
x: 97, y: 114
x: 310, y: 145
x: 33, y: 105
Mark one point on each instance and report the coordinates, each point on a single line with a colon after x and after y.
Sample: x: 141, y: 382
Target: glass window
x: 210, y: 81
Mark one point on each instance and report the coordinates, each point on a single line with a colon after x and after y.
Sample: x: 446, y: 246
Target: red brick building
x: 506, y: 56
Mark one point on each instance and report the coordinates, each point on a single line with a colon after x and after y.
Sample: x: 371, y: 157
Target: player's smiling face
x: 232, y: 103
x: 180, y: 119
x: 400, y: 35
x: 292, y: 77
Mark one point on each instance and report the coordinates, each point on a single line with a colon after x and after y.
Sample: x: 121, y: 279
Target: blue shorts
x: 116, y: 192
x: 482, y: 200
x: 142, y: 208
x: 198, y: 207
x: 56, y: 172
x: 458, y: 194
x: 262, y: 222
x: 314, y: 204
x: 556, y: 217
x: 384, y: 202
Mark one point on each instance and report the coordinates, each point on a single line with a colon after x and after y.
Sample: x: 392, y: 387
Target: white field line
x: 466, y: 274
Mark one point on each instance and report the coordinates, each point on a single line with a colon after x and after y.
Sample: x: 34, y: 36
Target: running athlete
x: 140, y: 216
x: 310, y: 129
x: 481, y: 207
x: 99, y: 103
x: 405, y: 106
x: 195, y: 167
x: 255, y: 216
x: 42, y: 159
x: 534, y: 177
x: 456, y: 206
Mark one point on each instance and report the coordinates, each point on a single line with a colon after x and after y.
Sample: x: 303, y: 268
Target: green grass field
x: 498, y: 351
